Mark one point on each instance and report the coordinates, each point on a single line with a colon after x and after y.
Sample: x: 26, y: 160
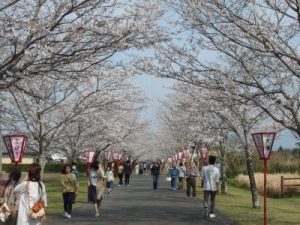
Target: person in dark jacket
x: 155, y: 172
x: 127, y: 172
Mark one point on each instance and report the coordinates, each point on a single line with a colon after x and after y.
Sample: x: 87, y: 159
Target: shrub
x: 49, y: 167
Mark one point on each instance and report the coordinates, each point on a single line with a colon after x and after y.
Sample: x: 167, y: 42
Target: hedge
x: 49, y: 167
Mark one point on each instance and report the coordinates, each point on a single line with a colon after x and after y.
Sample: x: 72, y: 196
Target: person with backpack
x: 173, y: 174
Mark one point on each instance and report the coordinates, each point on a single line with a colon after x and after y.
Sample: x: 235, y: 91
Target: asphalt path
x: 138, y: 204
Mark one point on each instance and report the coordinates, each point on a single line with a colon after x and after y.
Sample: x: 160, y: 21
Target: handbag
x: 37, y: 211
x: 4, y: 209
x: 4, y: 212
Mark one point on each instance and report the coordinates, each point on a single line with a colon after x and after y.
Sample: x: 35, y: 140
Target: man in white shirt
x: 210, y: 179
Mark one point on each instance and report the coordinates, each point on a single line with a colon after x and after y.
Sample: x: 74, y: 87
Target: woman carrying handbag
x: 30, y: 191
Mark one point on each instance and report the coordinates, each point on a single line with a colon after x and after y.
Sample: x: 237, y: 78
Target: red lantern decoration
x: 107, y: 155
x: 264, y: 143
x: 115, y: 156
x: 204, y: 154
x: 120, y: 156
x: 15, y: 145
x: 90, y: 156
x: 180, y: 154
x: 186, y: 153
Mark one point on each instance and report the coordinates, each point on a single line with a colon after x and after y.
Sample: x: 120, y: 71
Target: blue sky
x: 157, y: 88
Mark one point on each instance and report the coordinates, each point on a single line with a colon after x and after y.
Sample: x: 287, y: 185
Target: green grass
x: 237, y: 205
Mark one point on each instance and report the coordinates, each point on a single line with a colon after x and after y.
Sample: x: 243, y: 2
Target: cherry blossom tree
x: 65, y: 38
x: 249, y: 44
x: 220, y: 115
x: 104, y: 106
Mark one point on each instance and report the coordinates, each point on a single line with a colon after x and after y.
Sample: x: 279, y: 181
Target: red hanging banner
x: 15, y: 145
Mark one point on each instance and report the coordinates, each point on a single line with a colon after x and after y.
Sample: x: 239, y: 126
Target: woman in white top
x: 96, y: 188
x: 110, y: 180
x: 30, y: 191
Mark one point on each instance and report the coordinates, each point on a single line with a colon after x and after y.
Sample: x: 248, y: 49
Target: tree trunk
x: 42, y: 160
x: 253, y: 189
x: 223, y: 169
x: 223, y: 178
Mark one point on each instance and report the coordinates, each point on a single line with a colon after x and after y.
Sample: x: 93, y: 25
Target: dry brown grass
x: 273, y: 182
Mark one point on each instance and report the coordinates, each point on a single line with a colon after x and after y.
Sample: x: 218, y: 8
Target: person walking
x: 69, y: 189
x: 209, y: 181
x: 75, y: 171
x: 120, y: 174
x: 127, y: 172
x: 181, y: 174
x: 173, y: 174
x: 155, y: 172
x: 95, y: 186
x: 31, y: 190
x: 110, y: 180
x: 191, y: 174
x: 137, y: 168
x: 9, y: 197
x: 145, y: 166
x: 141, y: 169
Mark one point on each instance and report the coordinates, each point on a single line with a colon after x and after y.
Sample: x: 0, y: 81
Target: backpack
x: 173, y: 172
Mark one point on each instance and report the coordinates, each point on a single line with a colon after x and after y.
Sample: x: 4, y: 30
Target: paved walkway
x: 138, y: 204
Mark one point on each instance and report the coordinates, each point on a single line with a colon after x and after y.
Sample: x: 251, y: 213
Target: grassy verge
x: 237, y: 206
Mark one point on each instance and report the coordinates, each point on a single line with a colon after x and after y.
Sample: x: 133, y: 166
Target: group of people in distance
x: 97, y: 178
x: 209, y: 182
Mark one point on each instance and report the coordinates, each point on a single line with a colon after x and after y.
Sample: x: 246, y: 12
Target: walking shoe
x: 97, y: 214
x: 69, y: 216
x: 212, y: 215
x: 66, y: 214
